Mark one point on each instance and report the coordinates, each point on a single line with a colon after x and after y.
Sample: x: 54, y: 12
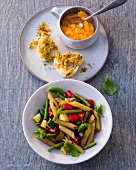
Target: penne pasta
x: 64, y: 127
x: 85, y: 136
x: 79, y: 149
x: 97, y: 125
x: 67, y: 131
x: 58, y: 99
x: 54, y: 109
x: 63, y: 150
x: 81, y: 106
x: 46, y: 141
x: 91, y: 135
x: 50, y: 97
x: 66, y: 124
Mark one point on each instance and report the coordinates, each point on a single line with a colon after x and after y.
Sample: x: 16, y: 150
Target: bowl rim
x: 53, y: 161
x: 87, y: 39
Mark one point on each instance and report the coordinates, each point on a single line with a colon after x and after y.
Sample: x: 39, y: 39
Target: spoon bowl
x: 76, y: 44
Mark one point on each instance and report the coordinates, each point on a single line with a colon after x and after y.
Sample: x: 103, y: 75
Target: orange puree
x: 76, y: 32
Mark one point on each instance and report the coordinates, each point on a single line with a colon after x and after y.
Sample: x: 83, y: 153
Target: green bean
x: 46, y: 108
x: 56, y: 89
x: 52, y: 139
x: 89, y: 145
x: 55, y: 146
x: 86, y: 117
x: 50, y: 135
x: 57, y: 114
x: 61, y: 96
x: 78, y: 122
x: 70, y: 111
x: 82, y: 99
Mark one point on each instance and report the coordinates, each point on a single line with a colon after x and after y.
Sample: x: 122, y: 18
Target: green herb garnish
x: 108, y: 86
x: 83, y: 126
x: 98, y: 109
x: 71, y: 149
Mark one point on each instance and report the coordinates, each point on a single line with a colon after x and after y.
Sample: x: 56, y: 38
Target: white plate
x: 95, y: 55
x: 37, y: 100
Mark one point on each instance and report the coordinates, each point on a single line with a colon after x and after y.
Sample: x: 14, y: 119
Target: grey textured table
x: 17, y: 84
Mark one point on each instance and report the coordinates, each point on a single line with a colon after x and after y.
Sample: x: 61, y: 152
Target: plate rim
x: 76, y: 162
x: 29, y: 68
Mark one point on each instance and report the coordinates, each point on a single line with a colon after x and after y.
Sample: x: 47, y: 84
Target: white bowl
x: 37, y: 100
x: 76, y: 44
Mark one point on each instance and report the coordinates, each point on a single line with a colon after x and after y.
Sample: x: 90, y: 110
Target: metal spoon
x: 80, y: 21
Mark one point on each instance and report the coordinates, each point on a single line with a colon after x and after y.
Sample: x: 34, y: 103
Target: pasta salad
x: 68, y: 122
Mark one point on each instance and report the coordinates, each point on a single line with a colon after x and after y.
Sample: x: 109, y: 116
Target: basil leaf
x: 71, y: 149
x: 83, y: 126
x: 98, y: 109
x: 40, y: 133
x: 108, y: 86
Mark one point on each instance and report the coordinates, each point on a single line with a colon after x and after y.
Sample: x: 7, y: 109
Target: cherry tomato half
x: 81, y: 116
x: 68, y: 93
x: 68, y: 106
x: 73, y: 117
x: 91, y: 102
x: 75, y: 140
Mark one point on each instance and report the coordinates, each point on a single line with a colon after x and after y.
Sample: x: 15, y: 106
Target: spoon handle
x: 110, y: 6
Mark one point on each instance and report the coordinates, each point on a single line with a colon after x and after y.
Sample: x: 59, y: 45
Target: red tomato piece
x: 51, y: 130
x: 50, y: 112
x: 68, y: 93
x: 91, y: 102
x: 75, y: 140
x: 73, y: 117
x: 68, y: 106
x: 81, y: 116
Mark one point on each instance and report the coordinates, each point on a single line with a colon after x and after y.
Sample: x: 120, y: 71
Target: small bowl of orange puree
x: 76, y: 32
x: 74, y: 36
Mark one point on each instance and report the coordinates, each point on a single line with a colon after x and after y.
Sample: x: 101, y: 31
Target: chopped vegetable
x: 51, y: 124
x: 68, y: 106
x: 81, y: 116
x: 50, y: 112
x: 75, y: 140
x: 98, y: 109
x: 64, y: 117
x: 83, y: 126
x: 43, y: 124
x: 89, y: 145
x: 71, y: 149
x: 41, y: 111
x: 68, y: 93
x: 73, y: 117
x: 56, y: 146
x: 108, y: 86
x: 37, y: 118
x: 40, y: 132
x: 51, y: 130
